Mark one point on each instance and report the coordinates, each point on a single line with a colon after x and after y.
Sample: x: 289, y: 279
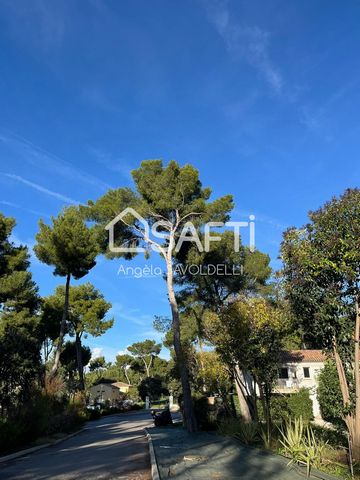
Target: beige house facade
x: 111, y: 393
x: 300, y: 369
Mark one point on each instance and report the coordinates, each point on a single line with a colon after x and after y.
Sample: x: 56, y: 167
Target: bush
x: 152, y: 387
x: 300, y: 405
x: 279, y: 406
x: 44, y: 415
x: 300, y: 444
x: 13, y: 434
x: 329, y: 395
x: 335, y: 438
x: 282, y: 407
x: 247, y: 432
x: 94, y: 414
x: 208, y: 416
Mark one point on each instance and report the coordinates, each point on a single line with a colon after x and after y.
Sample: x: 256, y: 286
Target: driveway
x: 113, y: 447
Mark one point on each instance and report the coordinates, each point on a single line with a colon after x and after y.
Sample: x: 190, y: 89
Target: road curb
x: 155, y: 475
x: 21, y: 453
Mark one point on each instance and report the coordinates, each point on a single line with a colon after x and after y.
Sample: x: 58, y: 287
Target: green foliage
x: 20, y: 367
x: 300, y: 405
x: 322, y: 279
x: 145, y: 351
x: 329, y: 395
x: 294, y: 405
x: 152, y: 387
x: 279, y: 408
x: 20, y: 335
x: 334, y: 437
x: 248, y: 332
x: 18, y: 292
x: 299, y: 443
x: 68, y: 357
x: 98, y: 365
x: 87, y: 310
x: 321, y: 272
x: 209, y: 416
x: 250, y: 270
x: 129, y: 369
x: 174, y: 195
x: 86, y: 315
x: 212, y: 374
x: 247, y: 432
x: 43, y: 415
x: 68, y: 244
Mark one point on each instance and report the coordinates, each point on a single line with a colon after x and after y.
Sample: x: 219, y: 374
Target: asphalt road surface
x: 113, y: 447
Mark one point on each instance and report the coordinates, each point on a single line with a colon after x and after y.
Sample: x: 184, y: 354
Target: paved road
x: 113, y: 447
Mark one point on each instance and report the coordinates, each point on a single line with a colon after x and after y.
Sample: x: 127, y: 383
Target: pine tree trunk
x: 356, y: 433
x: 79, y: 362
x: 126, y: 376
x: 189, y: 416
x: 56, y: 364
x: 352, y: 420
x: 244, y: 407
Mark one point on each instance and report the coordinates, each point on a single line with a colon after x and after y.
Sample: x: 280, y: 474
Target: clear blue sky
x: 262, y: 97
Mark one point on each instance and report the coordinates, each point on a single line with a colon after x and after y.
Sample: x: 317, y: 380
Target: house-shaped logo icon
x: 119, y: 218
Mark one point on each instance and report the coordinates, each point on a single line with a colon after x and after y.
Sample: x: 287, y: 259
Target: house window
x: 306, y: 372
x: 283, y: 373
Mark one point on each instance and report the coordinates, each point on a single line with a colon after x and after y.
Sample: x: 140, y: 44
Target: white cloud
x: 153, y: 335
x: 133, y: 315
x: 248, y: 43
x: 111, y: 162
x: 261, y: 218
x: 40, y: 188
x: 96, y: 352
x: 123, y: 352
x: 19, y: 207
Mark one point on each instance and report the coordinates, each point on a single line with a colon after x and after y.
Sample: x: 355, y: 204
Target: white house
x: 299, y: 369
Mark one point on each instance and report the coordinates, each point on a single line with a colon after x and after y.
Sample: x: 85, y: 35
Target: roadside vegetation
x: 225, y: 333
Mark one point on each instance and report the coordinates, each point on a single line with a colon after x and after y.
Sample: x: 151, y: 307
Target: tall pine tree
x: 71, y: 247
x: 20, y: 341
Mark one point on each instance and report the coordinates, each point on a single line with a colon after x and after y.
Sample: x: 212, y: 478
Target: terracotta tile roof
x: 298, y: 356
x: 120, y: 384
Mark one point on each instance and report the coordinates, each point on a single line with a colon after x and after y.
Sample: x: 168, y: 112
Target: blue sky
x: 262, y: 97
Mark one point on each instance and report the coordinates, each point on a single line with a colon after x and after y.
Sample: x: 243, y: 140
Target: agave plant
x: 266, y: 437
x: 247, y: 432
x: 314, y: 450
x: 292, y: 440
x: 300, y: 444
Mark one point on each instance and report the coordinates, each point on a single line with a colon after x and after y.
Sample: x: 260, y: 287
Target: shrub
x: 208, y: 416
x: 13, y: 434
x: 44, y: 415
x: 334, y: 437
x: 247, y: 433
x: 329, y: 395
x: 94, y: 414
x: 152, y: 387
x: 299, y: 443
x: 300, y: 405
x: 279, y: 407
